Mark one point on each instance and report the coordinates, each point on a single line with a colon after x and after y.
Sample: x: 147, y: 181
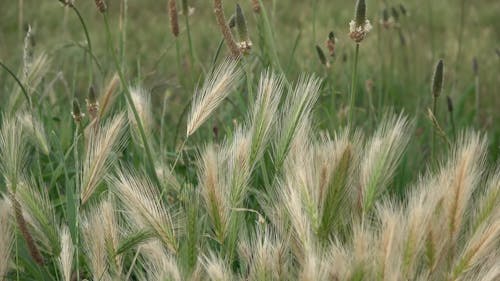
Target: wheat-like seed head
x: 142, y: 102
x: 261, y: 117
x: 65, y: 259
x: 158, y: 263
x: 143, y: 203
x: 36, y: 132
x: 380, y: 159
x: 13, y: 151
x: 214, y: 90
x: 99, y: 156
x: 216, y: 268
x: 94, y: 241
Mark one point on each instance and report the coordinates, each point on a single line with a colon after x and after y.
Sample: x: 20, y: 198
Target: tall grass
x: 266, y: 185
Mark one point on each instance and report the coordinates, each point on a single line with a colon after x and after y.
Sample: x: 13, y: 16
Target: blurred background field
x: 395, y: 68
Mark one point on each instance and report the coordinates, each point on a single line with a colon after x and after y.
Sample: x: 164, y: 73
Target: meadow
x: 251, y: 140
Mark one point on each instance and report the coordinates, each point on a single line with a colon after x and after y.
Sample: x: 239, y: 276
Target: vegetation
x: 267, y: 140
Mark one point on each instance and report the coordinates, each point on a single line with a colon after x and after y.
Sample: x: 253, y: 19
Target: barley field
x: 252, y: 140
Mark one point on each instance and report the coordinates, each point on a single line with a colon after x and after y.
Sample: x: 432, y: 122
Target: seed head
x: 256, y: 6
x: 101, y: 5
x: 232, y: 21
x: 360, y: 26
x: 241, y: 26
x: 395, y: 14
x: 449, y: 102
x: 92, y: 103
x: 322, y: 57
x: 172, y: 14
x: 402, y: 9
x: 437, y: 79
x: 360, y: 12
x: 330, y: 43
x: 77, y: 113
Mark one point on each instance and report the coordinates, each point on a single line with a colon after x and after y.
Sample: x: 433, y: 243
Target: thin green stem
x: 128, y: 97
x: 89, y: 44
x: 352, y: 101
x: 77, y: 198
x: 23, y: 89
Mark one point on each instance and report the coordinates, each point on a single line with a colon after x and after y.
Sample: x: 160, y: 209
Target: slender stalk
x: 77, y: 199
x: 353, y: 88
x: 23, y: 89
x: 89, y: 44
x: 128, y: 97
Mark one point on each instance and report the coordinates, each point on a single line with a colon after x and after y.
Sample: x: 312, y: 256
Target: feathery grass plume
x: 437, y: 79
x: 92, y: 103
x: 261, y: 118
x: 39, y: 214
x: 226, y: 32
x: 381, y: 157
x: 216, y: 268
x: 35, y: 131
x: 6, y: 237
x: 389, y: 242
x: 360, y: 26
x: 109, y: 95
x: 94, y: 242
x: 322, y: 57
x: 142, y: 102
x: 418, y: 215
x: 101, y: 236
x: 29, y: 44
x: 216, y: 198
x: 101, y: 6
x: 77, y: 114
x: 482, y: 246
x: 256, y: 6
x: 102, y: 146
x: 158, y: 263
x: 244, y: 43
x: 65, y: 259
x: 467, y: 167
x: 23, y: 228
x: 314, y: 267
x: 13, y: 151
x: 143, y: 203
x: 295, y: 114
x: 488, y: 204
x: 341, y: 258
x: 264, y: 255
x: 215, y: 89
x: 172, y: 14
x: 363, y: 250
x: 330, y: 43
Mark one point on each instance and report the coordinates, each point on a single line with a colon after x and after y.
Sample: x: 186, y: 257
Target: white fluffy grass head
x: 142, y: 102
x: 13, y: 151
x: 215, y: 89
x: 101, y: 154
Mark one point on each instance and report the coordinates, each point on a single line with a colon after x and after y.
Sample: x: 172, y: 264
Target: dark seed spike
x: 449, y: 102
x: 321, y: 55
x: 360, y: 12
x: 437, y: 80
